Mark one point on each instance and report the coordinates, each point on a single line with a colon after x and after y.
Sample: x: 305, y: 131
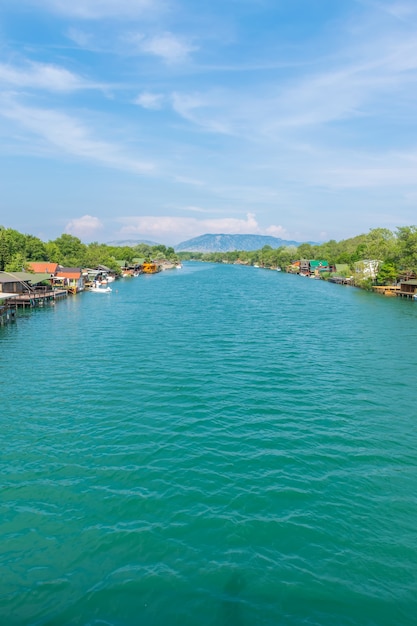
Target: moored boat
x: 97, y: 288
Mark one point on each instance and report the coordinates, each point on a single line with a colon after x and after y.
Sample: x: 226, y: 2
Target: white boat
x: 179, y: 266
x: 96, y: 288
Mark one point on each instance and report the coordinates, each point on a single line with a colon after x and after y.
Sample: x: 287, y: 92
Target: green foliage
x: 387, y: 274
x: 407, y: 248
x: 11, y: 243
x: 396, y: 251
x: 35, y: 249
x: 71, y: 249
x: 17, y: 263
x: 365, y: 283
x: 53, y: 253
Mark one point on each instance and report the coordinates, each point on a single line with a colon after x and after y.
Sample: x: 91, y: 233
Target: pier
x: 37, y: 298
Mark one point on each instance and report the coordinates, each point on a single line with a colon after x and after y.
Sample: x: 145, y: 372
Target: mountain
x: 132, y: 243
x: 228, y: 243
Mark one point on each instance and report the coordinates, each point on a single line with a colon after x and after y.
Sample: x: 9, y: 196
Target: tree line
x: 396, y: 252
x: 17, y: 249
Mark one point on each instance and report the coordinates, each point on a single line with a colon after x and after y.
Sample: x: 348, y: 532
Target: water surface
x: 217, y: 445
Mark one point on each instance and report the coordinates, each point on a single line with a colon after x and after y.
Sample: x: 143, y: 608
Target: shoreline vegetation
x: 381, y: 260
x: 378, y: 258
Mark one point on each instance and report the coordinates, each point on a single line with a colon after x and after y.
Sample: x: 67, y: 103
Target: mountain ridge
x: 228, y: 243
x: 131, y: 243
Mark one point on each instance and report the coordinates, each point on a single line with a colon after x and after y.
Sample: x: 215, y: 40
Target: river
x: 216, y: 445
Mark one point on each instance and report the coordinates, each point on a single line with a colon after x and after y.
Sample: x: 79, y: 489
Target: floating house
x: 309, y: 267
x: 149, y: 267
x: 407, y: 289
x: 71, y: 279
x: 43, y: 267
x: 28, y: 289
x: 294, y: 268
x: 22, y: 282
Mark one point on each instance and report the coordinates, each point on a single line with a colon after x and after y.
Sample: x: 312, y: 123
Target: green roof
x: 319, y: 263
x: 10, y: 277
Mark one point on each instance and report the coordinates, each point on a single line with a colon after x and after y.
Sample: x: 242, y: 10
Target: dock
x: 387, y: 290
x: 36, y: 298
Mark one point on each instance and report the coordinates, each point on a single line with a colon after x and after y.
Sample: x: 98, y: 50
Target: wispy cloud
x: 80, y: 37
x: 371, y: 72
x: 176, y: 228
x: 196, y: 209
x: 62, y: 132
x: 98, y: 9
x: 400, y: 10
x: 84, y: 227
x: 41, y: 76
x: 152, y: 101
x: 170, y: 48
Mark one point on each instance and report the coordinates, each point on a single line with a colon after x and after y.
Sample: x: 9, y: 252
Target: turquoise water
x: 216, y: 445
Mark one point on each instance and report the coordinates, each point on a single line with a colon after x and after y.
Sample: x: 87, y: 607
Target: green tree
x: 380, y: 244
x: 17, y: 263
x: 54, y: 254
x: 71, y: 249
x: 35, y: 249
x: 406, y: 256
x: 387, y: 274
x: 11, y: 243
x: 305, y: 251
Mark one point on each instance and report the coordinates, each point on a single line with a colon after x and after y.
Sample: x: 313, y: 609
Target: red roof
x: 42, y: 267
x: 71, y: 273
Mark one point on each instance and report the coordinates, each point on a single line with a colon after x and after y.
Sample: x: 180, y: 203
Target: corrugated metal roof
x: 15, y: 277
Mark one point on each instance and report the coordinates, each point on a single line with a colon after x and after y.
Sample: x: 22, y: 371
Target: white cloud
x: 179, y: 228
x: 167, y: 46
x: 84, y: 227
x: 276, y: 231
x: 196, y: 209
x: 98, y: 9
x: 369, y: 176
x: 400, y: 10
x: 65, y: 133
x: 187, y: 180
x: 41, y: 76
x: 80, y: 37
x: 372, y: 75
x: 214, y: 112
x: 153, y: 101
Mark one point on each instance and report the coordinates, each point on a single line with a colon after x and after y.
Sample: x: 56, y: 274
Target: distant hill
x: 132, y: 243
x: 228, y: 243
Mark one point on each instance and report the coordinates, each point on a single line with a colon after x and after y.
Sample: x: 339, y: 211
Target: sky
x: 167, y: 119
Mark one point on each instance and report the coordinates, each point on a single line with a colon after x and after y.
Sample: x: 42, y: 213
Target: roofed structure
x: 43, y: 267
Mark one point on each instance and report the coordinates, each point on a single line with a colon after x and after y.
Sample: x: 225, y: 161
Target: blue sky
x: 166, y: 119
